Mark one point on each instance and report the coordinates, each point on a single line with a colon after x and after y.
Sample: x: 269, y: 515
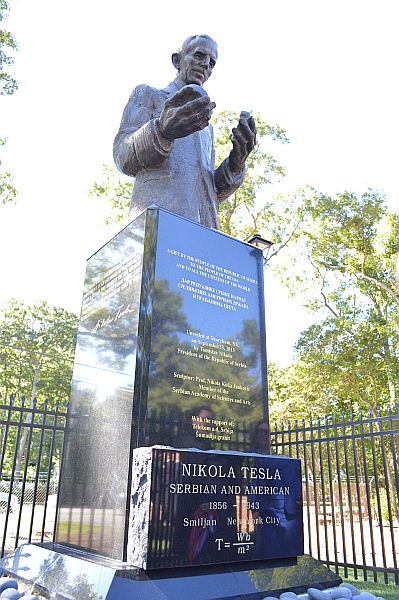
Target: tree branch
x: 360, y: 275
x: 381, y: 284
x: 336, y: 315
x: 286, y: 241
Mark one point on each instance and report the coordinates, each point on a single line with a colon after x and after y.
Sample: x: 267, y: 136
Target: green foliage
x: 348, y: 246
x: 117, y: 190
x: 347, y: 239
x: 8, y: 84
x: 295, y: 393
x: 8, y: 193
x: 37, y: 344
x: 246, y: 211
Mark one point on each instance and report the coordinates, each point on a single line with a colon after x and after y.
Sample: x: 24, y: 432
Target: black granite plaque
x: 170, y: 350
x: 214, y: 507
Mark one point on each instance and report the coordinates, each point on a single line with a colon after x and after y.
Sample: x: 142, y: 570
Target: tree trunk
x: 390, y: 377
x: 28, y: 421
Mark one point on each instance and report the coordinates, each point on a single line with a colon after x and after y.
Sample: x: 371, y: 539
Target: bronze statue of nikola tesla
x: 166, y: 142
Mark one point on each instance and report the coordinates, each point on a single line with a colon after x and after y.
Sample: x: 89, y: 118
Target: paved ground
x: 41, y: 522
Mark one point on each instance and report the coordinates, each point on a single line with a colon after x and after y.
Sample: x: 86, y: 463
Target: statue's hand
x: 185, y: 112
x: 244, y: 139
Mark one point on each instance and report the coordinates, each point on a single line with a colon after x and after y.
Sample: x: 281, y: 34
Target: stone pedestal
x: 165, y: 461
x: 170, y: 350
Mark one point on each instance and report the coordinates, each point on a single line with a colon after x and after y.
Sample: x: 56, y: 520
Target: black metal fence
x: 350, y: 470
x: 31, y: 438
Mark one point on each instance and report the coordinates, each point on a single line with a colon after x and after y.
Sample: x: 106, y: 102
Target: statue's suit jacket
x: 178, y: 175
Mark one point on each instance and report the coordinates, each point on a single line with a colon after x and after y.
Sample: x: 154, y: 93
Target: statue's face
x: 196, y: 62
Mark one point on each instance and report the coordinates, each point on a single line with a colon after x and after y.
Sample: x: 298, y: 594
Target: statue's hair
x: 188, y: 41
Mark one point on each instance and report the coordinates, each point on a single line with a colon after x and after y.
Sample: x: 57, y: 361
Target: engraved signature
x: 120, y: 312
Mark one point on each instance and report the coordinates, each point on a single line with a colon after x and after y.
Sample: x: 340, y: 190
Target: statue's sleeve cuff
x: 234, y: 179
x: 164, y: 144
x: 226, y: 180
x: 151, y: 147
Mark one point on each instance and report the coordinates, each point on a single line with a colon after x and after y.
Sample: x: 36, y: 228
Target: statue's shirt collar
x: 174, y: 86
x: 179, y: 83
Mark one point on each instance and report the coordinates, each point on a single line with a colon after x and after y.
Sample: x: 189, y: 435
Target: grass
x: 388, y: 591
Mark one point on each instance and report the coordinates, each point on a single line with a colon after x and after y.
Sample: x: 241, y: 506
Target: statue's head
x: 196, y: 59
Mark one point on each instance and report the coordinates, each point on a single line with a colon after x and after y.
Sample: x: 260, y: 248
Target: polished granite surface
x: 171, y: 350
x: 193, y: 507
x: 75, y: 576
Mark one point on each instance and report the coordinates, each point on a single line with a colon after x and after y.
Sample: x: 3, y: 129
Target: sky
x: 324, y: 70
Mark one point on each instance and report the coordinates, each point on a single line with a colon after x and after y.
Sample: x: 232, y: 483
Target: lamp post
x: 261, y: 243
x: 264, y: 245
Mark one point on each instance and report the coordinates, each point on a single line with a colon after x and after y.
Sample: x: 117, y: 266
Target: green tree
x: 8, y: 86
x: 348, y: 245
x: 116, y: 189
x: 246, y: 211
x: 37, y: 344
x: 292, y: 395
x: 341, y: 260
x: 8, y: 192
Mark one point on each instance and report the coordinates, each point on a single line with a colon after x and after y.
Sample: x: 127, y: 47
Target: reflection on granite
x: 93, y: 490
x: 205, y: 381
x: 171, y: 351
x: 294, y: 577
x: 74, y: 576
x: 58, y: 573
